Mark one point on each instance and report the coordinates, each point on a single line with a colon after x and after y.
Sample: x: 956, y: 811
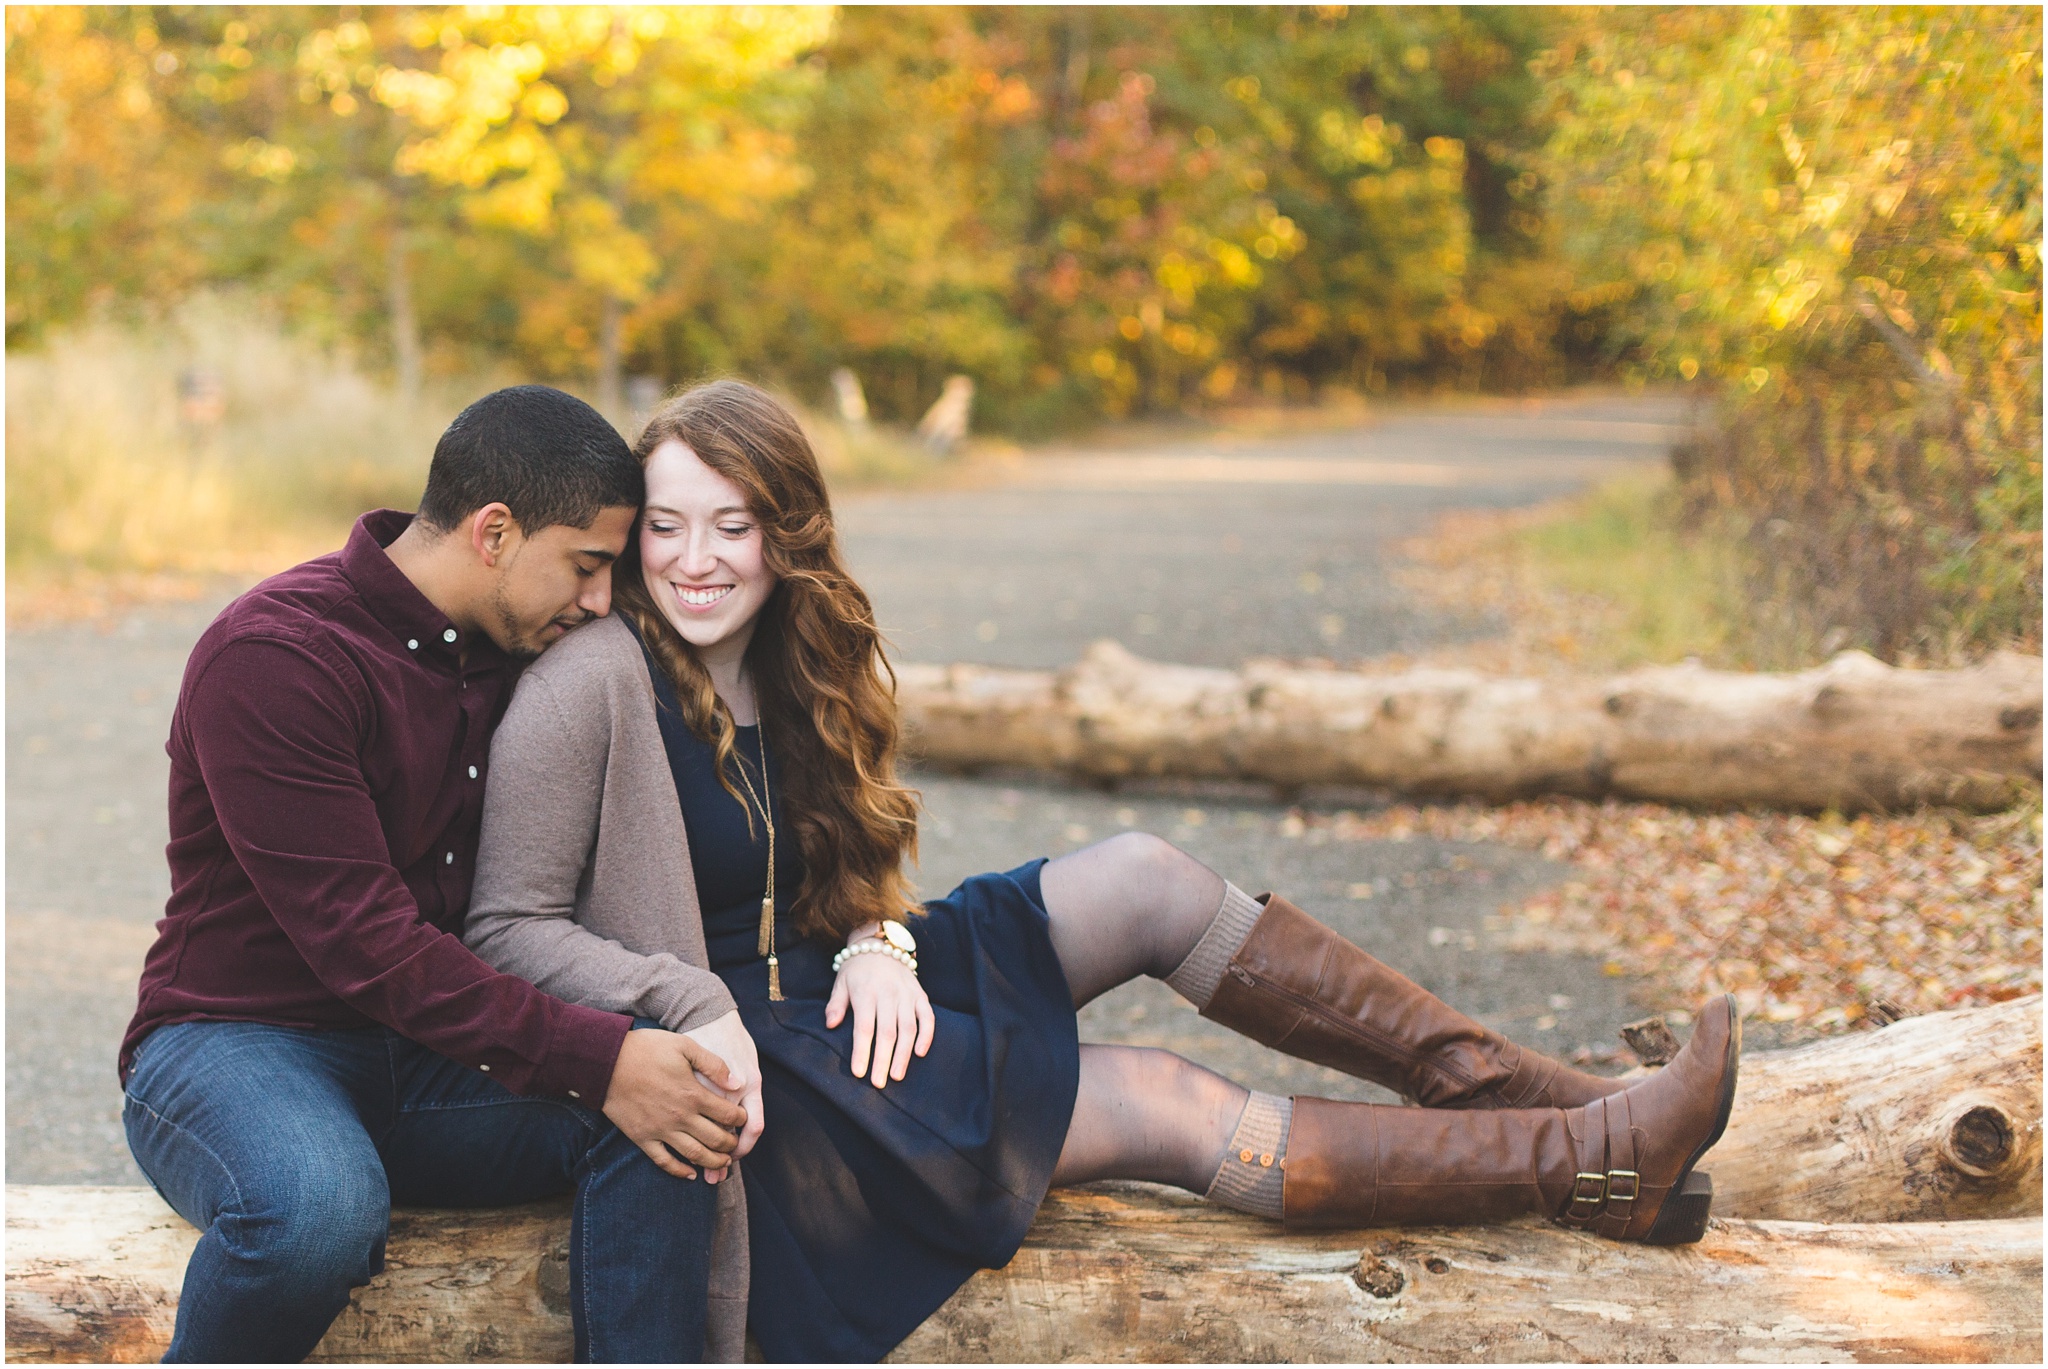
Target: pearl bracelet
x: 875, y: 946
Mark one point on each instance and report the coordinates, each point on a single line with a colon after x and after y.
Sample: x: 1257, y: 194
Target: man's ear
x: 493, y: 532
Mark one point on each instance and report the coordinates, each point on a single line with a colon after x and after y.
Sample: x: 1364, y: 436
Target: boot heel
x: 1683, y: 1218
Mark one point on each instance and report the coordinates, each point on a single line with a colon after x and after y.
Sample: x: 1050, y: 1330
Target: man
x: 312, y: 1041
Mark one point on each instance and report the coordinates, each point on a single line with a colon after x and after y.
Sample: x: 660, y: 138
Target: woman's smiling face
x: 701, y: 553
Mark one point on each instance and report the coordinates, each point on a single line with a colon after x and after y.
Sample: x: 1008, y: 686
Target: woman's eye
x: 737, y: 529
x: 661, y: 529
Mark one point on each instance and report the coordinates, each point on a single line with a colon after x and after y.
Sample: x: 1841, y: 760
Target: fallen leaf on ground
x: 1816, y: 920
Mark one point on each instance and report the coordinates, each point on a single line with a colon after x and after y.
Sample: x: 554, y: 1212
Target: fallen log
x: 1125, y: 1273
x: 1935, y: 1117
x: 93, y: 1276
x: 1852, y: 735
x: 1132, y: 1272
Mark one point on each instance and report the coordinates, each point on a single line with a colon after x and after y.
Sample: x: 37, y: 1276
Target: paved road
x: 1208, y: 553
x: 1199, y: 552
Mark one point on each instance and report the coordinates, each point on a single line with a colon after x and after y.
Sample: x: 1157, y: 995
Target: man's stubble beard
x: 517, y: 643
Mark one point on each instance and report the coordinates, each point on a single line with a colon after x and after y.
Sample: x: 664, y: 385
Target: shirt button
x: 412, y: 644
x: 574, y: 1094
x: 449, y: 635
x: 450, y: 859
x: 485, y: 1068
x: 472, y: 772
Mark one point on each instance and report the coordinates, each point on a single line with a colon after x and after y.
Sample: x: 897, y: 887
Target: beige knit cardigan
x: 583, y: 879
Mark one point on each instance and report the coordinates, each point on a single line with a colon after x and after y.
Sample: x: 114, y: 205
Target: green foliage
x: 1832, y: 217
x: 1825, y: 220
x: 97, y: 179
x: 1651, y: 586
x: 1090, y: 211
x: 887, y: 260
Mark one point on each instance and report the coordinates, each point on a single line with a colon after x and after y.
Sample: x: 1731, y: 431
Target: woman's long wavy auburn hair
x: 825, y: 690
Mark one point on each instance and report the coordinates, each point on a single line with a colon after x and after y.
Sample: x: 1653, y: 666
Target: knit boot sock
x: 1250, y: 1178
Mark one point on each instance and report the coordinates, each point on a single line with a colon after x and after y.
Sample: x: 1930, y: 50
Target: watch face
x: 898, y: 935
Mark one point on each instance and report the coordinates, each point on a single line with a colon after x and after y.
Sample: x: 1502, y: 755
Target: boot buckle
x: 1589, y: 1190
x: 1622, y: 1187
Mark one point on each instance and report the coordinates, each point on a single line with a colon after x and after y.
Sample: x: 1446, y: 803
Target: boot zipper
x: 1399, y: 1050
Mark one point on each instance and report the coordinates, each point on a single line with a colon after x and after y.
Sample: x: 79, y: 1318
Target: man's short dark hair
x: 545, y: 455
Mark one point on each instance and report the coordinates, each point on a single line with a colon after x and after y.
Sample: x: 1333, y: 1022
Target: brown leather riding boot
x: 1298, y: 987
x: 1622, y: 1166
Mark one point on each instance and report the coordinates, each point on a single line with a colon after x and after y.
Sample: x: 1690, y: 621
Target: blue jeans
x: 287, y: 1148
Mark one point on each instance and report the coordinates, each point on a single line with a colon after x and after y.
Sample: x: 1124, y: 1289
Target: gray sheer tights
x: 1135, y: 905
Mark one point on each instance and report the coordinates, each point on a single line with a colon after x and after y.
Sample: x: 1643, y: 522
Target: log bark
x: 1931, y: 1118
x: 1886, y: 1131
x: 1131, y: 1272
x: 1851, y: 735
x: 1127, y: 1273
x: 93, y: 1276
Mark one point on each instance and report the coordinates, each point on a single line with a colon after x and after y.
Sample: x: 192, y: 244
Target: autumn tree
x: 1832, y: 219
x: 99, y: 174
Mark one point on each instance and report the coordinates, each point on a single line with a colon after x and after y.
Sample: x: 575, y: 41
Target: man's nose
x: 596, y: 599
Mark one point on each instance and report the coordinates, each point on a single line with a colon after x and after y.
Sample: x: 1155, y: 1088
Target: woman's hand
x: 891, y: 1014
x: 729, y: 1039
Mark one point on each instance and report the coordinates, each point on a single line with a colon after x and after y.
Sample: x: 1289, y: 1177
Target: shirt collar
x: 395, y: 602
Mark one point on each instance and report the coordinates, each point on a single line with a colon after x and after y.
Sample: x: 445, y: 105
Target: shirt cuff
x: 582, y: 1050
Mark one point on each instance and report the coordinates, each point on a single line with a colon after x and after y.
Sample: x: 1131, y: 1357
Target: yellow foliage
x: 1835, y: 214
x: 1758, y: 160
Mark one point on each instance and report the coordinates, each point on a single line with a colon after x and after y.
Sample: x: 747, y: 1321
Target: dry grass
x: 864, y: 456
x: 1634, y: 573
x: 119, y: 491
x: 1603, y: 580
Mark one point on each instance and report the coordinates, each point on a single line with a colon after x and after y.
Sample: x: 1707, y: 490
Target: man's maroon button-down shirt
x: 328, y: 756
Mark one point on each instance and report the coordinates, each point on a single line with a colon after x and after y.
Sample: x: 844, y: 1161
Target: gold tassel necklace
x: 765, y: 943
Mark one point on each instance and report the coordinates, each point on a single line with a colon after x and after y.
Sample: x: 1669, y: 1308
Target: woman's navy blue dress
x: 869, y: 1207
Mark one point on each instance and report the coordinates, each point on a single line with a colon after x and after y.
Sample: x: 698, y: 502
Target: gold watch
x: 898, y: 935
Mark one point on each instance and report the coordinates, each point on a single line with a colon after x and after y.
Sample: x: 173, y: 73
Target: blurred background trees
x: 1824, y: 223
x: 1832, y: 219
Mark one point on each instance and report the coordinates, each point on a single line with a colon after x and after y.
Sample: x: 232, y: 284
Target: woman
x: 724, y: 747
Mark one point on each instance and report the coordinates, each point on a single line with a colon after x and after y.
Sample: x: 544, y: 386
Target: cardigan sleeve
x: 542, y: 811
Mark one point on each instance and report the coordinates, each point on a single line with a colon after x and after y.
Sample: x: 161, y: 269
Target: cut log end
x: 1937, y: 1117
x: 1980, y: 1137
x: 1980, y: 1142
x: 1872, y: 1145
x: 1129, y: 1272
